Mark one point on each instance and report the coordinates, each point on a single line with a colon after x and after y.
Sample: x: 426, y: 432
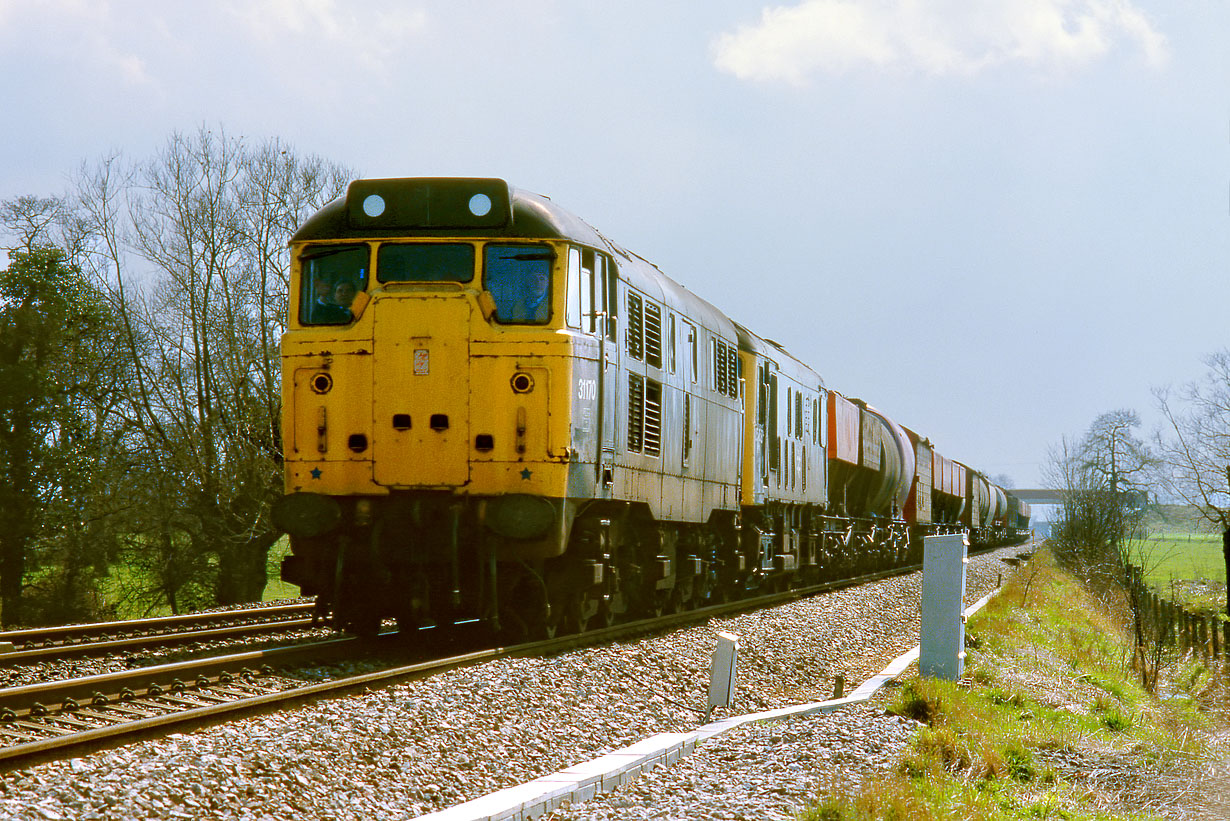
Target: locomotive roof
x: 435, y: 206
x: 771, y: 349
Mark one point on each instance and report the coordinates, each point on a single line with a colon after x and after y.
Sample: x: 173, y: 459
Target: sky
x: 993, y: 221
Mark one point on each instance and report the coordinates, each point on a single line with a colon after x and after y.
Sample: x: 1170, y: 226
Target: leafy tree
x: 57, y: 432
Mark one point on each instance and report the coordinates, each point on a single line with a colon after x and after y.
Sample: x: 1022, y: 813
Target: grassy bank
x: 1049, y: 721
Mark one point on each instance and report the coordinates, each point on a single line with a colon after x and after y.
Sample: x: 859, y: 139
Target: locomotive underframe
x: 434, y: 559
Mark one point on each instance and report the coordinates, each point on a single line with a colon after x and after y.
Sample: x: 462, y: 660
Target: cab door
x: 421, y: 388
x: 606, y: 298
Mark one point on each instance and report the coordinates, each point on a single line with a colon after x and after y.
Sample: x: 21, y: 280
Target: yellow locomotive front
x: 429, y: 388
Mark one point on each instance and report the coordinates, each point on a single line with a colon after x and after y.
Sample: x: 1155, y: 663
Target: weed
x: 997, y: 695
x: 1114, y: 688
x: 1020, y: 761
x: 1193, y: 678
x: 916, y: 702
x: 980, y: 674
x: 1115, y: 721
x: 831, y: 809
x: 943, y: 748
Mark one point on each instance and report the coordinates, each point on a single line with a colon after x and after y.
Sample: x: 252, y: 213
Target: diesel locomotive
x: 493, y: 413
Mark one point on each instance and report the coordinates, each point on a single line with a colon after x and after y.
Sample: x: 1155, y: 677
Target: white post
x: 722, y: 674
x: 941, y: 652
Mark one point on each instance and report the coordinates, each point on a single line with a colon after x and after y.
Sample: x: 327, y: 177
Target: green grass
x: 1181, y: 556
x: 1044, y: 681
x: 276, y: 588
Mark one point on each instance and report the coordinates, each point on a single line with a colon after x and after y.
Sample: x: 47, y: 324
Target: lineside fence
x: 1201, y: 632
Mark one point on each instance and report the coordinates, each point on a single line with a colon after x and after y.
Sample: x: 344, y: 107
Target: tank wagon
x: 493, y: 413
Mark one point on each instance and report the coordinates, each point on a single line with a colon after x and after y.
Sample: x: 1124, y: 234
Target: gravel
x: 763, y: 771
x: 422, y: 746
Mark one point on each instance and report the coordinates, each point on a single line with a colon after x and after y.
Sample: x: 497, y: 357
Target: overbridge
x: 1038, y: 496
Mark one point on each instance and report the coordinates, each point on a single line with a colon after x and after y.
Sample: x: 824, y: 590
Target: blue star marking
x: 315, y: 473
x: 526, y: 473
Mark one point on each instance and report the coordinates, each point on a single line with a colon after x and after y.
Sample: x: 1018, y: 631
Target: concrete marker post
x: 942, y: 643
x: 722, y: 672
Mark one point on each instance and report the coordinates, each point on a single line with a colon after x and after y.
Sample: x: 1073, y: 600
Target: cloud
x: 77, y: 32
x: 368, y: 33
x: 326, y: 48
x: 938, y: 37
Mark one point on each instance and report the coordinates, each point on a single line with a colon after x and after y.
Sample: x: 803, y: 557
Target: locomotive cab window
x: 330, y: 276
x: 519, y: 279
x: 425, y: 262
x: 581, y: 289
x: 587, y: 299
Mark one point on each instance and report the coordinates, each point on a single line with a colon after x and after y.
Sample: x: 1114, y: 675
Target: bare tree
x: 192, y: 244
x: 1100, y: 533
x: 1114, y: 455
x: 166, y: 453
x: 1196, y: 446
x: 31, y: 221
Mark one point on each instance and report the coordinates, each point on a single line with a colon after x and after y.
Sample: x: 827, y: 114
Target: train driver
x: 534, y: 304
x: 519, y: 279
x: 338, y: 310
x: 322, y: 305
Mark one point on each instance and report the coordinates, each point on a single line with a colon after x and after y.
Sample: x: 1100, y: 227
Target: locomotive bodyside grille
x: 653, y: 418
x: 636, y: 412
x: 653, y: 335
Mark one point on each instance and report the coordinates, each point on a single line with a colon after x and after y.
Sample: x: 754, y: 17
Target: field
x: 1183, y: 554
x: 1180, y: 557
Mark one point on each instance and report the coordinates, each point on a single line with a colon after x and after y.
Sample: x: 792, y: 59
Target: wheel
x: 365, y: 624
x: 605, y: 616
x: 667, y: 603
x: 580, y: 611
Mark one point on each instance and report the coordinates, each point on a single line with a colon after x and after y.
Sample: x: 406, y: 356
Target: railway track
x: 50, y: 720
x: 101, y: 638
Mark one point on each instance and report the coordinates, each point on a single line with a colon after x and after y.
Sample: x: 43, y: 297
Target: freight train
x: 493, y: 413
